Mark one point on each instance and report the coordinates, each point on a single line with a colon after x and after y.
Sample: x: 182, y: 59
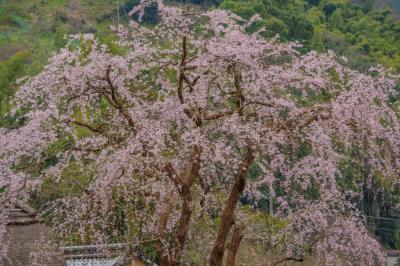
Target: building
x: 392, y: 257
x: 99, y: 255
x: 31, y: 244
x: 26, y: 234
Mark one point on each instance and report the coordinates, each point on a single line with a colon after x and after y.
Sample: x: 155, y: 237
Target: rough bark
x: 227, y: 217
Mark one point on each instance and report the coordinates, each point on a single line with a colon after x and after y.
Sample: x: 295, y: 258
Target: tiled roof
x: 95, y: 262
x: 94, y: 255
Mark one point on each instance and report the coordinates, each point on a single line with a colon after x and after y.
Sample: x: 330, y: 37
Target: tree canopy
x: 182, y: 135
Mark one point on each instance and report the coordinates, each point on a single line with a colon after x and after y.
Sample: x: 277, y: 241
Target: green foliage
x: 352, y: 28
x: 286, y: 18
x: 71, y: 183
x: 379, y: 197
x: 10, y: 70
x: 351, y: 173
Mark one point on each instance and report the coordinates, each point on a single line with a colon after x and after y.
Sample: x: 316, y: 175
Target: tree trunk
x: 235, y: 243
x: 218, y: 249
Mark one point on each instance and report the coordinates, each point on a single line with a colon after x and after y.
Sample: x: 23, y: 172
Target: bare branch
x: 288, y: 259
x: 96, y: 129
x: 113, y: 100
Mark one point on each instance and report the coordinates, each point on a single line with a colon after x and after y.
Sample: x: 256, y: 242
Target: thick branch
x: 173, y: 176
x: 227, y: 217
x: 184, y: 79
x: 182, y: 70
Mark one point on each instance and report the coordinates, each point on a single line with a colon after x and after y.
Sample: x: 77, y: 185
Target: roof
x: 94, y: 255
x: 393, y: 253
x: 95, y: 262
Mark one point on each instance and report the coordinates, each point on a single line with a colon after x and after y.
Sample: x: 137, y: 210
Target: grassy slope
x: 31, y: 30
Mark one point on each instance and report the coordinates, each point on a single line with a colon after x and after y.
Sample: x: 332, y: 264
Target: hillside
x: 365, y: 35
x: 31, y: 30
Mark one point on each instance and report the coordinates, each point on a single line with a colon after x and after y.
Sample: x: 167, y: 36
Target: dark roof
x: 96, y: 262
x: 95, y: 255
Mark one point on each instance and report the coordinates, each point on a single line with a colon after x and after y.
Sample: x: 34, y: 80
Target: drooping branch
x: 109, y: 92
x: 305, y: 118
x: 216, y: 116
x: 227, y: 217
x: 219, y: 115
x: 235, y: 243
x: 266, y: 104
